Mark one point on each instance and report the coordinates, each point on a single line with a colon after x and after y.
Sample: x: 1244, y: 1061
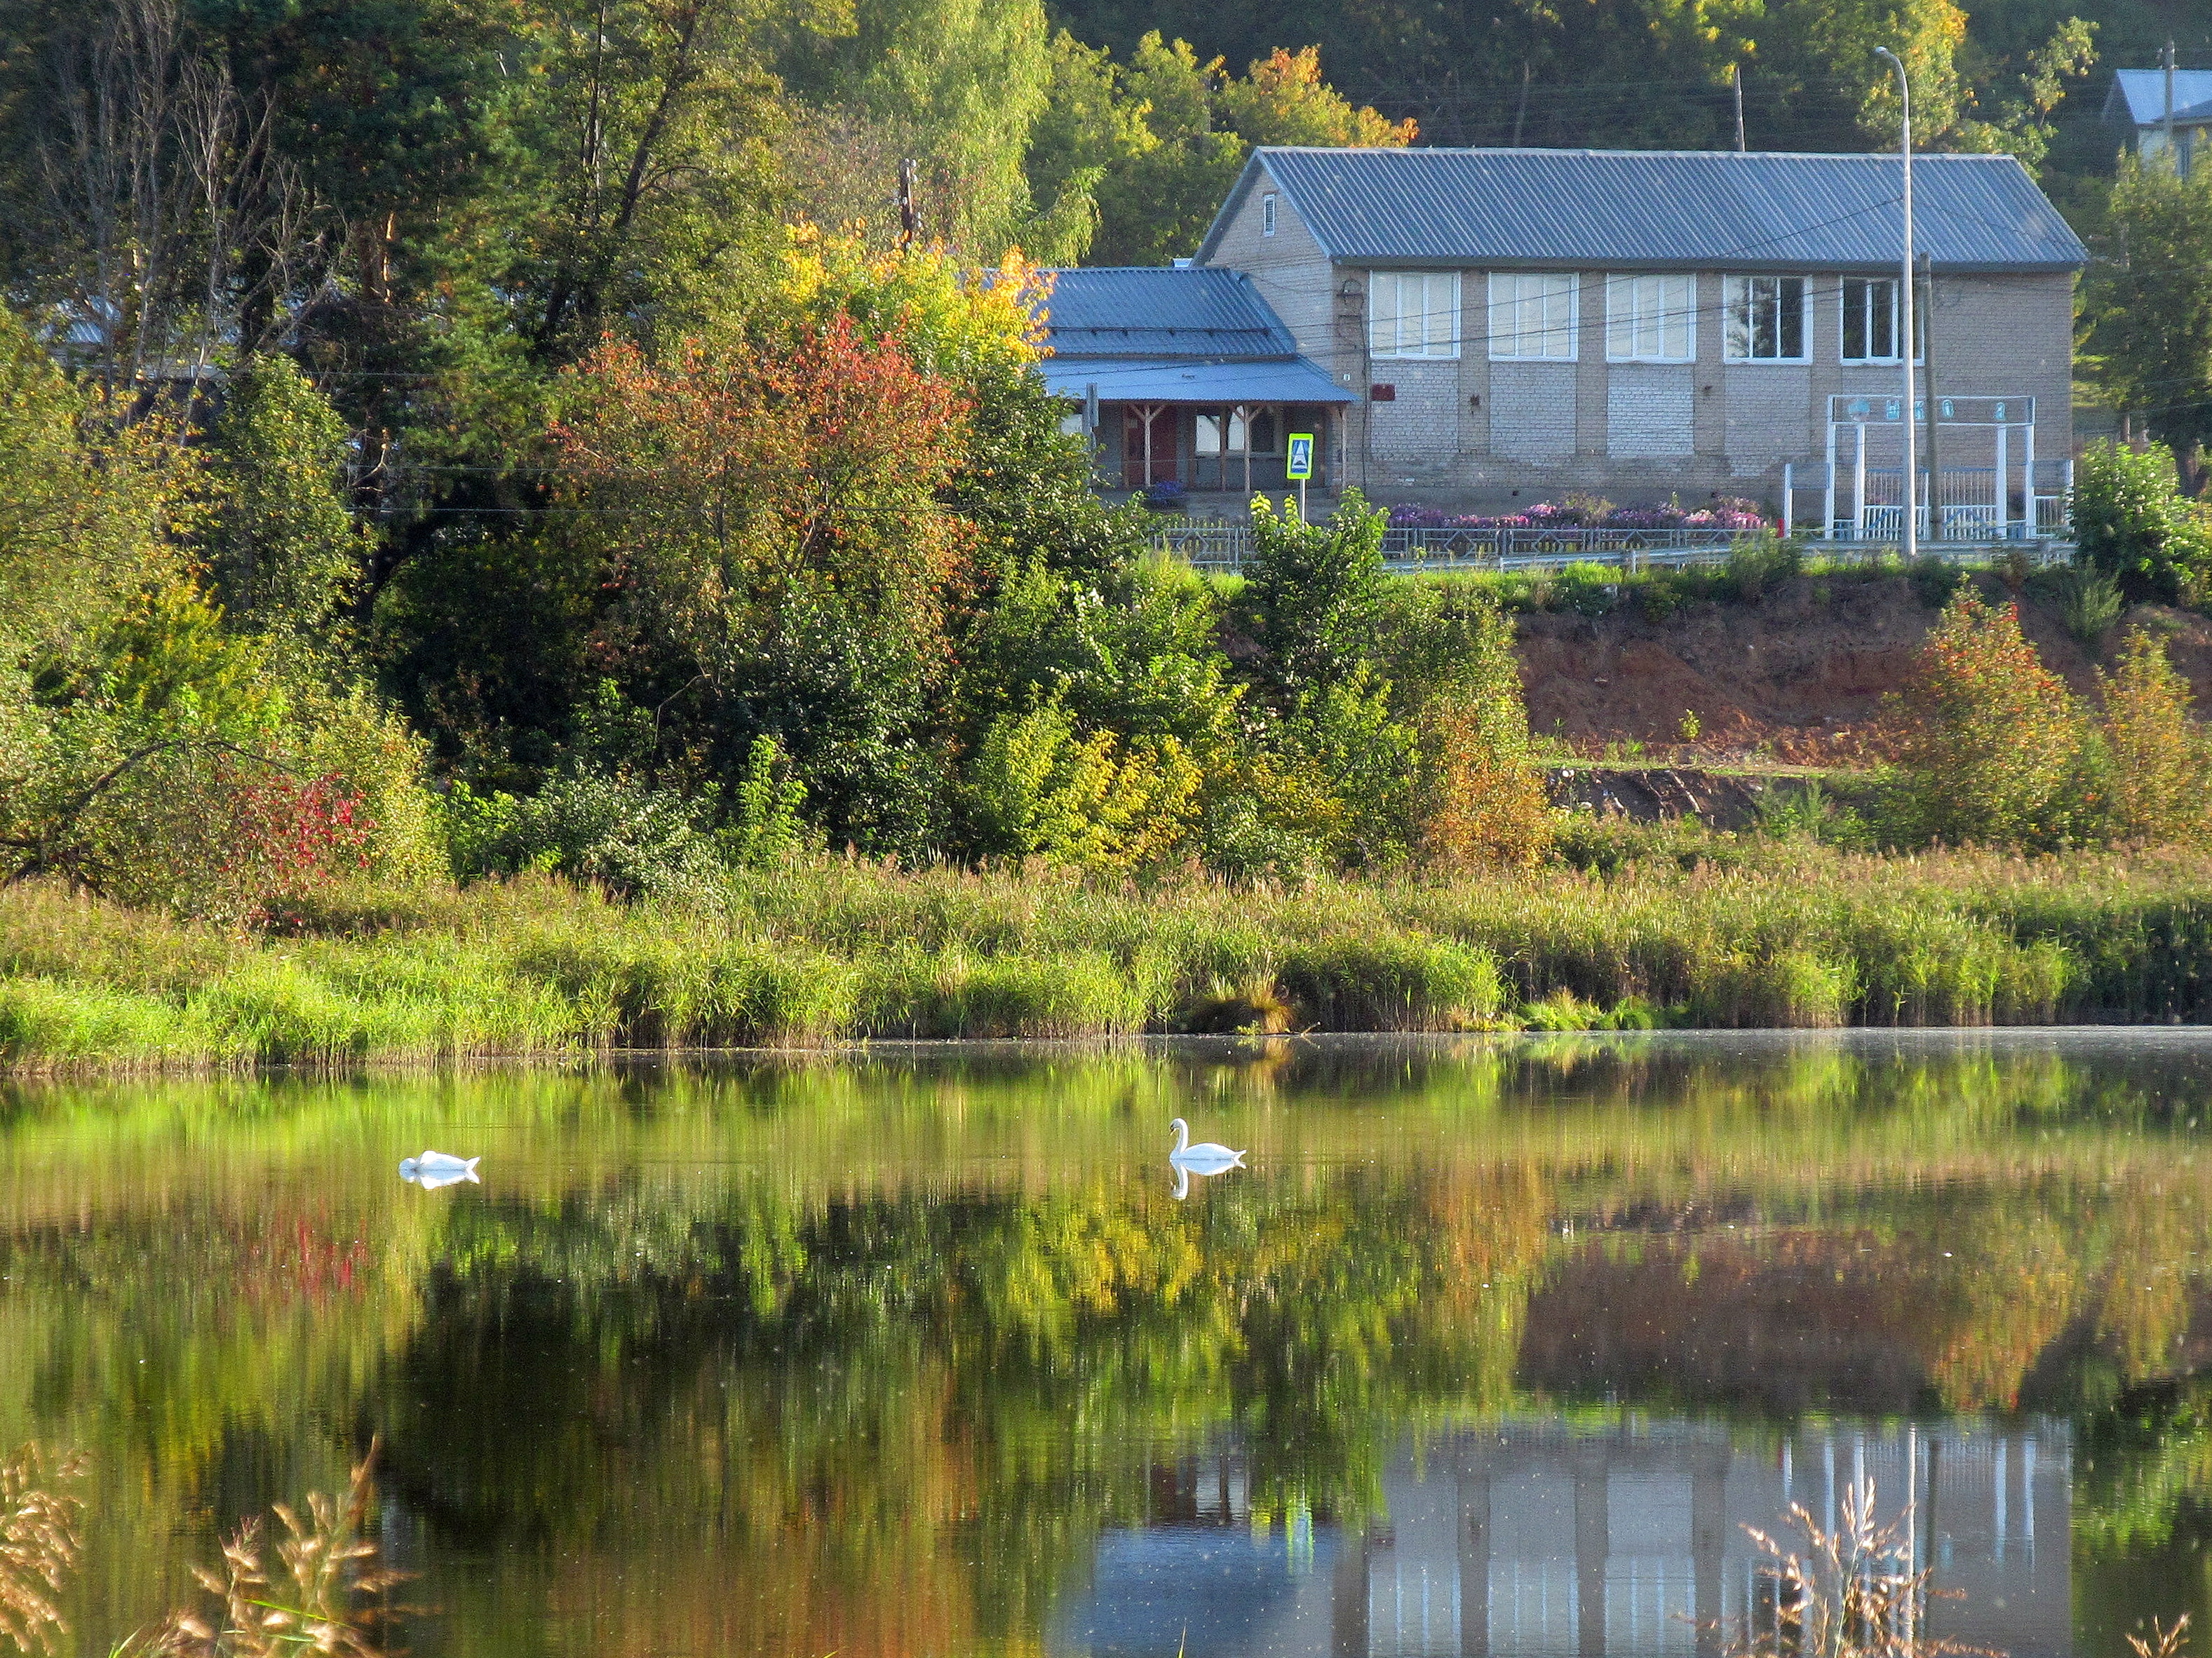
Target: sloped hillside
x: 1803, y: 671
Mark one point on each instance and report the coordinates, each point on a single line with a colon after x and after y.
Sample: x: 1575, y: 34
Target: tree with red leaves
x: 775, y: 557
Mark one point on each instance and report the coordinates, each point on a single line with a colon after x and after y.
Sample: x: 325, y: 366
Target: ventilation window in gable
x: 1267, y: 214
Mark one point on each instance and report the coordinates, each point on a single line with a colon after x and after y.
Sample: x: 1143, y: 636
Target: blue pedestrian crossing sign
x: 1300, y: 466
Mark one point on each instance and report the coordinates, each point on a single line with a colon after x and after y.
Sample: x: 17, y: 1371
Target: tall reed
x: 1758, y: 933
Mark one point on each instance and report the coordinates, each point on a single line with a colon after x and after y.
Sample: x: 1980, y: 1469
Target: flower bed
x: 1722, y: 513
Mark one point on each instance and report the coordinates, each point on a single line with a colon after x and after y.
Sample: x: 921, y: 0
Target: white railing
x: 1227, y: 546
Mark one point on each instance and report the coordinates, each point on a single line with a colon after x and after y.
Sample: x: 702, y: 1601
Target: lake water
x: 1497, y: 1346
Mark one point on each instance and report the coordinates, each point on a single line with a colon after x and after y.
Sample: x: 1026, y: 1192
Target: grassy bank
x: 1776, y: 934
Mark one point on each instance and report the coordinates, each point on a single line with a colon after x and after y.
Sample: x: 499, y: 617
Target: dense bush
x: 1993, y: 747
x: 151, y: 747
x: 2132, y: 523
x: 2161, y: 761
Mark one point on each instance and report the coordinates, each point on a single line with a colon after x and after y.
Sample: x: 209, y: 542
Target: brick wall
x: 1474, y: 428
x: 1422, y: 421
x: 1532, y: 411
x: 1766, y: 411
x: 1650, y: 411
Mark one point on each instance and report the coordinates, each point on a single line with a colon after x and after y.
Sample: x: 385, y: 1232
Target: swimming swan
x: 1204, y: 1159
x: 436, y: 1169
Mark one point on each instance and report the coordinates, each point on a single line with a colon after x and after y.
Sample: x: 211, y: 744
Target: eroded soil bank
x: 1803, y: 671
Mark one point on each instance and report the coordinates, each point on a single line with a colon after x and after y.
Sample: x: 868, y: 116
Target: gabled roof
x: 1162, y: 312
x: 2141, y: 95
x: 1659, y: 209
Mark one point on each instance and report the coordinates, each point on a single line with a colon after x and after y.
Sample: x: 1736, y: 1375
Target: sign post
x: 1299, y: 466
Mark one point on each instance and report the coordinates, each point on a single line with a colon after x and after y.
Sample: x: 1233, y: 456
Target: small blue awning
x: 1182, y: 380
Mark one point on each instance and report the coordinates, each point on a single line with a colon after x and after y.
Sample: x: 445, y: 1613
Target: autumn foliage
x: 774, y: 555
x: 1994, y: 748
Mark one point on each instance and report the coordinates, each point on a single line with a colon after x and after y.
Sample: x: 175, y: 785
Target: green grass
x: 1685, y: 930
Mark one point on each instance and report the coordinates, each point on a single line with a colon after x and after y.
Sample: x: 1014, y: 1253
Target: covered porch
x: 1204, y: 427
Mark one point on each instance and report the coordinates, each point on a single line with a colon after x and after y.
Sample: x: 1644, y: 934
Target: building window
x: 1532, y: 315
x: 1412, y: 313
x: 1267, y: 214
x: 1239, y: 448
x: 1870, y: 321
x: 1765, y: 320
x: 1650, y: 318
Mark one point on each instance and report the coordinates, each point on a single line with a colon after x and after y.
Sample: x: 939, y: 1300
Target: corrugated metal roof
x: 2142, y: 93
x: 1182, y: 380
x: 1161, y: 311
x: 1658, y: 209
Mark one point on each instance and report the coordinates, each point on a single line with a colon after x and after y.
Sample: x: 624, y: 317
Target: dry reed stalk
x: 39, y: 1545
x: 2166, y: 1640
x: 328, y: 1572
x: 1854, y: 1592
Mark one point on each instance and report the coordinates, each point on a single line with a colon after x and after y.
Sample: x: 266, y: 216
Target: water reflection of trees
x: 861, y: 1357
x: 901, y: 1394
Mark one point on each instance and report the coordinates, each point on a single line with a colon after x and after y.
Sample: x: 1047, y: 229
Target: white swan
x: 1206, y: 1157
x: 436, y: 1169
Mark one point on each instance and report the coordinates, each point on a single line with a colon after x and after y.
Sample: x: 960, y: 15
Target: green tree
x: 957, y: 85
x: 649, y: 134
x: 2161, y: 762
x: 2020, y: 119
x: 2152, y: 307
x: 2131, y: 524
x: 283, y: 546
x: 1160, y: 139
x: 1314, y: 592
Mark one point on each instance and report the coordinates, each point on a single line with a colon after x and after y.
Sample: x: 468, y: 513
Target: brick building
x: 1510, y: 325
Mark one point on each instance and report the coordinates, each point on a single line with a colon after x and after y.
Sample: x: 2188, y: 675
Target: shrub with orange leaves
x: 1992, y: 748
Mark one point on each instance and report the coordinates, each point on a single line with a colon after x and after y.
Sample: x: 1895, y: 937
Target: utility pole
x: 909, y: 208
x: 2172, y: 155
x: 1739, y: 109
x: 1911, y: 537
x: 1928, y: 392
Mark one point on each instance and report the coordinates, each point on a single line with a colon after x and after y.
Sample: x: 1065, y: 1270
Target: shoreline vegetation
x: 783, y: 681
x: 1759, y: 932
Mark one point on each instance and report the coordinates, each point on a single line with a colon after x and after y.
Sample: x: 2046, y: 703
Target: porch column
x: 1593, y: 1544
x: 1473, y: 1552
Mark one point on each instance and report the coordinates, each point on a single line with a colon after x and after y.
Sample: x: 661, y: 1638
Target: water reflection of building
x: 1538, y: 1541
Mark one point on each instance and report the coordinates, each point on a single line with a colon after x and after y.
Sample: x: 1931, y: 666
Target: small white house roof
x: 2139, y: 96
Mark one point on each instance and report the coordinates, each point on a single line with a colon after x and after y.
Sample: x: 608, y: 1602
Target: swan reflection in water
x: 436, y: 1169
x: 1206, y: 1157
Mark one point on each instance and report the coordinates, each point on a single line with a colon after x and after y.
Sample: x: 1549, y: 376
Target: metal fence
x: 1227, y: 546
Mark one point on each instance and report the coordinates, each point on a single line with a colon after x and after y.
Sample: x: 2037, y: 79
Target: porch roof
x: 1184, y: 380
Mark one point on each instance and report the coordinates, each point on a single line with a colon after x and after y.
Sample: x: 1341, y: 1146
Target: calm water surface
x: 1496, y: 1347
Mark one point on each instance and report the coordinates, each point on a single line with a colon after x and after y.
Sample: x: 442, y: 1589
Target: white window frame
x: 1740, y: 294
x: 1267, y: 214
x: 1652, y: 319
x: 1413, y: 314
x: 1512, y: 293
x: 1842, y: 322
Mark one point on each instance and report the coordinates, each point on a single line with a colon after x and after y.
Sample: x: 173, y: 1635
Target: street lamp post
x: 1904, y: 311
